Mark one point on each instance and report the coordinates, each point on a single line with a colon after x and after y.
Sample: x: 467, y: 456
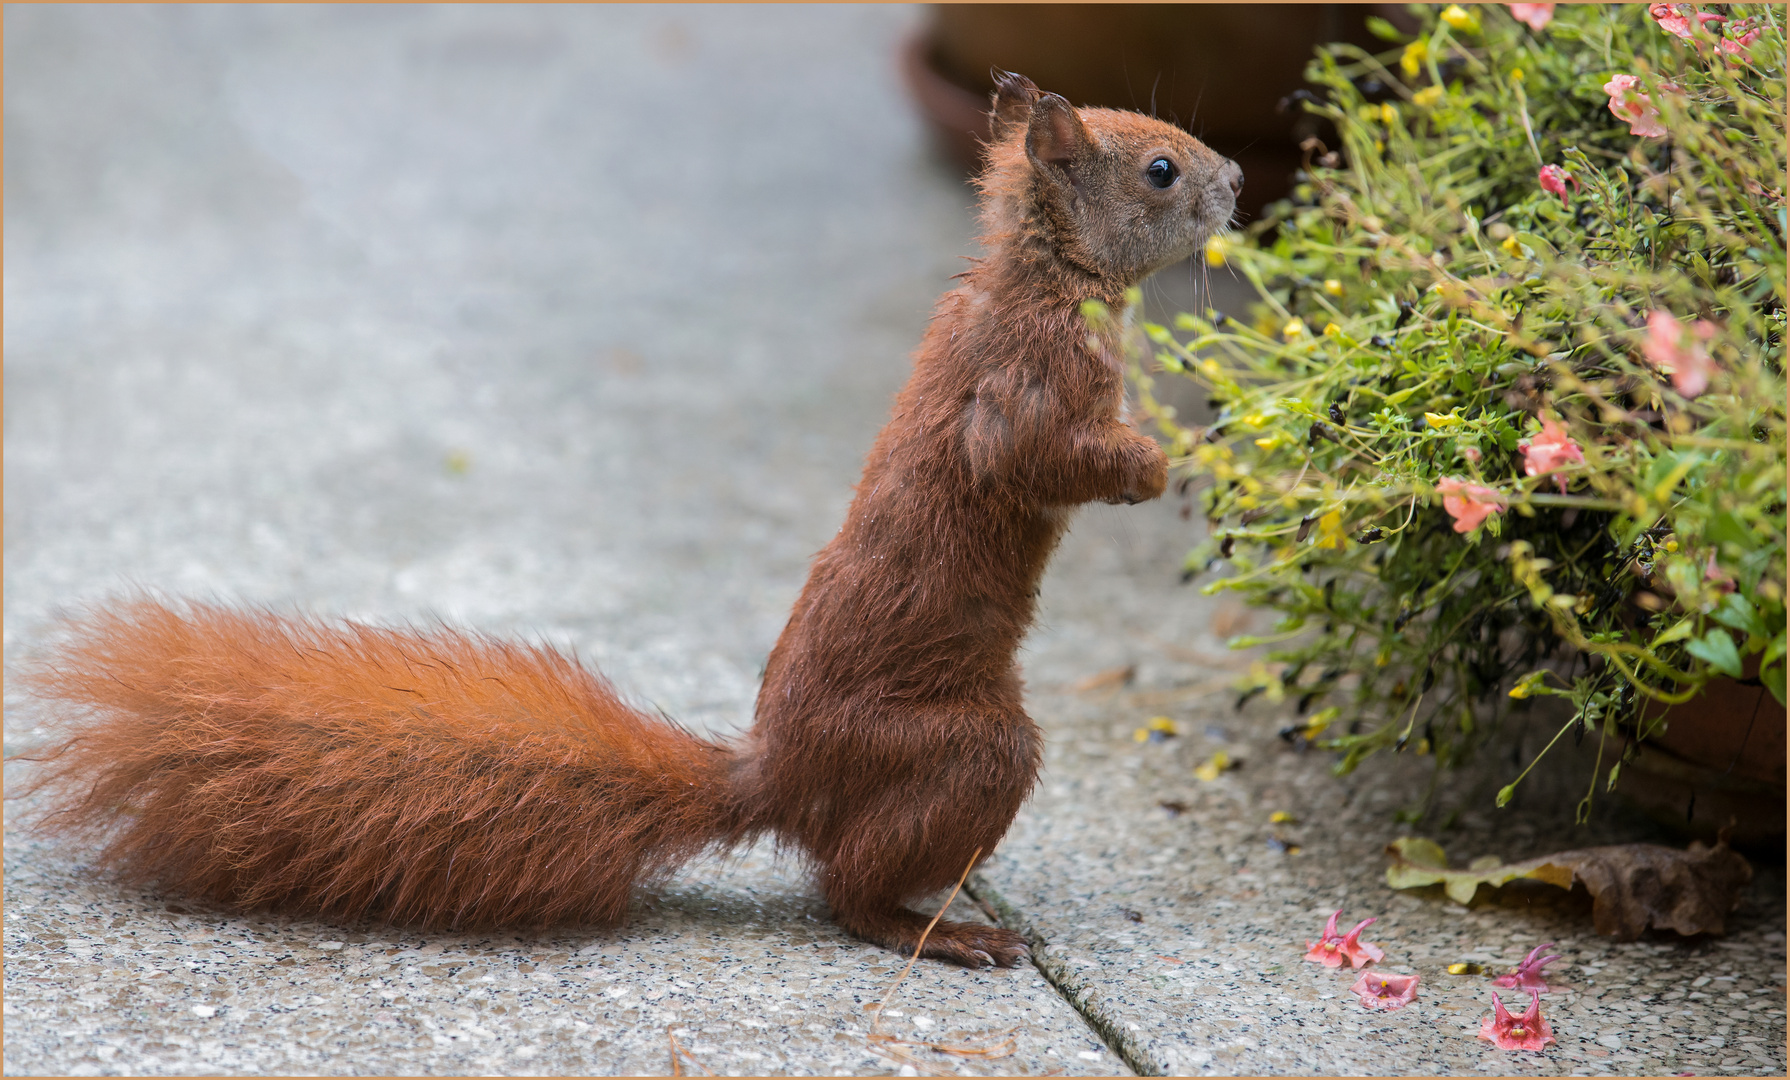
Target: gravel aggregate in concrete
x: 737, y: 961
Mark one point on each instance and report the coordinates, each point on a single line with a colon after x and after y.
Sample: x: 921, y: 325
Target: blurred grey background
x: 410, y: 310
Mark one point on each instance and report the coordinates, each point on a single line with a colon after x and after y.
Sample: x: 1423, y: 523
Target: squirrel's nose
x: 1233, y: 175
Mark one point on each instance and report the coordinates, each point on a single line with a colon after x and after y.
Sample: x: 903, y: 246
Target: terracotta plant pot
x: 1721, y: 757
x: 1219, y: 70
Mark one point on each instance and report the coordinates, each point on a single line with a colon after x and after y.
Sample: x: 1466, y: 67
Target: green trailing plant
x: 1508, y: 417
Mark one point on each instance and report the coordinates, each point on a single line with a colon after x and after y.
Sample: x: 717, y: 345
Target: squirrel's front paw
x: 1147, y: 476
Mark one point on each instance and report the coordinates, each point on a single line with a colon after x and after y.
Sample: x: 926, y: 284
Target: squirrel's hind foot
x: 973, y: 945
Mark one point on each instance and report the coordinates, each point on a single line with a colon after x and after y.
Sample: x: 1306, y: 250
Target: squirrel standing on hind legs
x: 440, y: 778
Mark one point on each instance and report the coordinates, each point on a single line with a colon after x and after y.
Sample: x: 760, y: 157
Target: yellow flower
x: 1512, y: 247
x: 1281, y: 817
x: 1294, y: 330
x: 1528, y: 685
x: 1516, y: 74
x: 1331, y: 329
x: 1215, y: 250
x: 1330, y: 531
x: 1412, y: 60
x: 1388, y: 114
x: 1461, y: 19
x: 1437, y: 420
x: 1208, y: 770
x: 1333, y: 286
x: 1428, y: 96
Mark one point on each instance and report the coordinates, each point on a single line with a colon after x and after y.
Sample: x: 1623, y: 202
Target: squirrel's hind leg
x: 917, y: 831
x: 970, y: 944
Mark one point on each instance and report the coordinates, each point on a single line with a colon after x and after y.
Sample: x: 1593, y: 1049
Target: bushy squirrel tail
x: 433, y: 778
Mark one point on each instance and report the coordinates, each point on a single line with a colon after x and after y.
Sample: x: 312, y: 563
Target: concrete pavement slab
x: 737, y: 962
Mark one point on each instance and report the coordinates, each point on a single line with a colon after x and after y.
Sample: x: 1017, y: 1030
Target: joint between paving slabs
x: 1070, y: 988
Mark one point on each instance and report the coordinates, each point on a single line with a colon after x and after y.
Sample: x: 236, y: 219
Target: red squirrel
x: 439, y: 778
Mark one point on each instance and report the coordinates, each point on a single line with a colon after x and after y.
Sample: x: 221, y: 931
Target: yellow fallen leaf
x: 1211, y: 767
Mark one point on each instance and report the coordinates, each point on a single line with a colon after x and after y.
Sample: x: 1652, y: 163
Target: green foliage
x: 1425, y: 306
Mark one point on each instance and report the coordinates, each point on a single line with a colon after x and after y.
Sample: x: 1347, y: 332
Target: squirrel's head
x: 1114, y: 195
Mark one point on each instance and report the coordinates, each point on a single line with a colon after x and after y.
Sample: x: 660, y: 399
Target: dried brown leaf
x: 1633, y: 886
x: 1106, y: 680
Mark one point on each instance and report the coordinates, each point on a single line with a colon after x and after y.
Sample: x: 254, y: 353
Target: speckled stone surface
x: 575, y: 323
x: 738, y: 963
x: 1181, y: 930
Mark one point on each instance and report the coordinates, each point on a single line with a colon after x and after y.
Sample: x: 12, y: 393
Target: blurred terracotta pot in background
x: 1721, y: 757
x: 1219, y: 70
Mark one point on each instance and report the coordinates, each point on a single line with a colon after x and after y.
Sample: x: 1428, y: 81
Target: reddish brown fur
x: 433, y: 778
x: 442, y: 778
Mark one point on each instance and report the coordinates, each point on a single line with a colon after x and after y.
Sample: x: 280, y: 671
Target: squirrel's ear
x: 1054, y: 134
x: 1013, y: 97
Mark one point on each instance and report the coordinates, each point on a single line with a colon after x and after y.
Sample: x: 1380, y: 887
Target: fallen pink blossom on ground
x: 1468, y: 504
x: 1331, y: 950
x: 1528, y: 974
x: 1550, y: 451
x: 1633, y: 107
x: 1378, y: 991
x: 1525, y: 1032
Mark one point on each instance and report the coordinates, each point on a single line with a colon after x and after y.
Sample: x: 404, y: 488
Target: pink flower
x: 1528, y: 974
x: 1378, y: 991
x: 1331, y: 950
x: 1633, y: 107
x: 1676, y: 18
x: 1468, y: 504
x: 1536, y: 15
x: 1553, y: 449
x: 1736, y: 46
x: 1713, y: 572
x: 1471, y: 453
x: 1554, y: 180
x: 1526, y: 1032
x: 1665, y: 349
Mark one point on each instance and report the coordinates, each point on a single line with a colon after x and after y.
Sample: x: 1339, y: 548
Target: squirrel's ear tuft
x: 1054, y: 134
x: 1013, y: 97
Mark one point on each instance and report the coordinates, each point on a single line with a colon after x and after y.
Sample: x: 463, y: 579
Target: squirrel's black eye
x: 1161, y: 173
